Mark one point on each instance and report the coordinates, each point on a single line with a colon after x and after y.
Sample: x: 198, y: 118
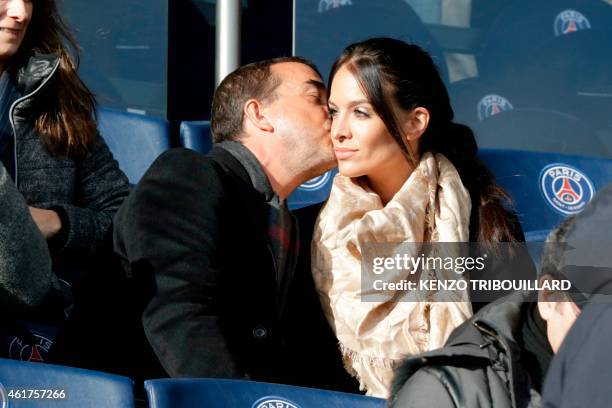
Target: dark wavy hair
x: 67, y: 124
x: 394, y: 73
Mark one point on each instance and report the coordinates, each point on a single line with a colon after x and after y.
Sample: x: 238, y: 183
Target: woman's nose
x: 17, y: 9
x: 339, y: 129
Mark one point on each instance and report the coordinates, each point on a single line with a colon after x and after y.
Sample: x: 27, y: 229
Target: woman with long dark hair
x: 49, y: 142
x: 407, y: 174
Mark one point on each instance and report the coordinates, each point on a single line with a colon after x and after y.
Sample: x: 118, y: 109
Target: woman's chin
x: 349, y: 171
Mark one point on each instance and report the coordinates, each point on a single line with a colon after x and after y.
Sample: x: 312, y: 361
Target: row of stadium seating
x: 545, y: 187
x: 538, y: 73
x: 25, y: 384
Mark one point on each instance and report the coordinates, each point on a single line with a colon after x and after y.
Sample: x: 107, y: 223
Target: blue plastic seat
x: 82, y: 388
x: 195, y: 135
x: 324, y: 31
x: 540, y: 130
x: 312, y: 192
x: 547, y: 187
x: 135, y: 140
x: 525, y: 27
x: 217, y: 393
x: 554, y: 55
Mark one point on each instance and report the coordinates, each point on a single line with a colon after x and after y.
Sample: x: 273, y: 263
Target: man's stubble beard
x: 306, y: 161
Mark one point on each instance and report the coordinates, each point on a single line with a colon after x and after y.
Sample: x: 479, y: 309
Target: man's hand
x: 47, y: 221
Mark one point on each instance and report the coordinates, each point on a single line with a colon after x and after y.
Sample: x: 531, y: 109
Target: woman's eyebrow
x: 353, y: 103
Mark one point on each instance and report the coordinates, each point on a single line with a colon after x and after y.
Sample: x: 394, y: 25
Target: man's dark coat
x: 194, y: 234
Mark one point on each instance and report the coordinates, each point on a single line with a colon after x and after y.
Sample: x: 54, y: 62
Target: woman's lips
x: 344, y: 153
x: 11, y: 31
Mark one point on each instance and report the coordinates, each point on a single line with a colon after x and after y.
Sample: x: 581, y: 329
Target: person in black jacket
x: 581, y: 372
x: 212, y: 241
x: 52, y: 151
x: 501, y: 356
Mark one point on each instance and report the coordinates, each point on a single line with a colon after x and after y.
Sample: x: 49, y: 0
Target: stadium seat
x: 475, y: 99
x: 546, y: 187
x: 27, y: 340
x: 554, y: 55
x: 215, y: 393
x: 195, y: 135
x: 135, y: 140
x: 81, y: 388
x: 540, y: 130
x: 325, y: 30
x: 313, y: 191
x: 525, y: 26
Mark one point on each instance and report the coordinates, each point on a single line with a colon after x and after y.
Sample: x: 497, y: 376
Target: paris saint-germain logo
x: 566, y: 189
x: 274, y: 402
x: 316, y: 183
x: 570, y: 21
x: 325, y: 5
x: 21, y: 350
x: 491, y: 105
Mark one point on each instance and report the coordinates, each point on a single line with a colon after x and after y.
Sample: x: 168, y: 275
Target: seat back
x: 215, y: 393
x: 313, y: 191
x: 540, y: 130
x: 524, y: 27
x: 323, y: 31
x: 196, y: 135
x: 135, y: 140
x: 546, y: 187
x: 69, y: 387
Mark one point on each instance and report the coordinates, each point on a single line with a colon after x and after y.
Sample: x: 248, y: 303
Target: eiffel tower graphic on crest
x: 571, y: 27
x: 566, y: 193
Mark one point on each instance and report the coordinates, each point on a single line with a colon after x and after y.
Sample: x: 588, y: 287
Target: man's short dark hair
x: 554, y: 249
x: 251, y: 81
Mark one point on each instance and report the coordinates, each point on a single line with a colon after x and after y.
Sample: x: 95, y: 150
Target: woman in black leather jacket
x: 49, y: 142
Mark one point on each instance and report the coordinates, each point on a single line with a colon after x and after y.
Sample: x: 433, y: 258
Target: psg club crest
x: 21, y: 350
x: 316, y: 183
x: 325, y: 5
x: 491, y: 105
x: 566, y: 189
x: 570, y: 21
x: 274, y: 402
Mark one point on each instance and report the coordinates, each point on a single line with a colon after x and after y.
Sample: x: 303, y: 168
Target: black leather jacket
x: 85, y: 193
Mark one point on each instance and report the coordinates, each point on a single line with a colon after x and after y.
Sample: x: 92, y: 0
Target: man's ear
x: 253, y: 113
x: 416, y: 123
x: 546, y: 308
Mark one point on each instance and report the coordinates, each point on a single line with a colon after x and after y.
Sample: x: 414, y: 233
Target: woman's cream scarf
x: 432, y: 205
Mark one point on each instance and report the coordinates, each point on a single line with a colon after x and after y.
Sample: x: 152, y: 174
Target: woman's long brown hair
x: 67, y: 125
x: 392, y: 72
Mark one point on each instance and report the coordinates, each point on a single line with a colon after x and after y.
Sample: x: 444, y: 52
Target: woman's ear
x: 254, y: 116
x: 416, y: 123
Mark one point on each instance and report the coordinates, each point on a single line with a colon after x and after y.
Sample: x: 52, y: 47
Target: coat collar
x: 35, y: 71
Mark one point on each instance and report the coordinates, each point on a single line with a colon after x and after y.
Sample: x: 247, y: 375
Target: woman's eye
x: 360, y: 113
x: 332, y: 112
